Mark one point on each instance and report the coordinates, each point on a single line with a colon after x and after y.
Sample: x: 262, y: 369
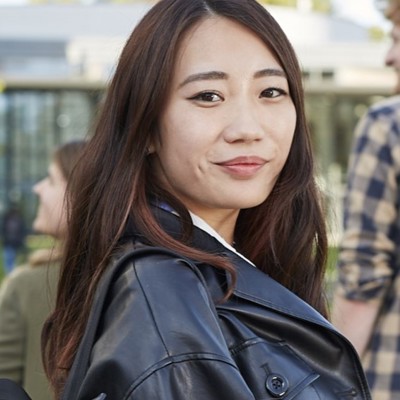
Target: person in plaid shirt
x: 366, y: 306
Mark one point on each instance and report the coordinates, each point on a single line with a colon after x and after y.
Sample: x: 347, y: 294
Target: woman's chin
x: 40, y: 228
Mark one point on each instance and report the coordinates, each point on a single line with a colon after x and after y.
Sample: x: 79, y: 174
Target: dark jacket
x: 13, y: 229
x: 165, y: 335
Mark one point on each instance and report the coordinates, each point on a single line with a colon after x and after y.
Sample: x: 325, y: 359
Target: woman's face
x: 228, y: 124
x: 50, y: 217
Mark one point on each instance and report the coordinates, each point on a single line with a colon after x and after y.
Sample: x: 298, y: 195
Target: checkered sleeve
x: 368, y: 255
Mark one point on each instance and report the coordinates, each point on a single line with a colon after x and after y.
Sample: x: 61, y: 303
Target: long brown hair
x: 284, y: 236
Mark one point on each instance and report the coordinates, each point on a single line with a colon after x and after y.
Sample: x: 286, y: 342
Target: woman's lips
x: 244, y: 166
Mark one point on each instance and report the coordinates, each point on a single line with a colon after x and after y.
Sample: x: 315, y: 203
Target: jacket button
x: 276, y: 385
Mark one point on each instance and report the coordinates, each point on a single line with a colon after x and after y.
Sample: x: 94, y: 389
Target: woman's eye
x: 271, y: 93
x: 209, y: 97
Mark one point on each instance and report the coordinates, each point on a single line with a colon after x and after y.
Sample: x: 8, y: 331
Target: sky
x: 360, y: 11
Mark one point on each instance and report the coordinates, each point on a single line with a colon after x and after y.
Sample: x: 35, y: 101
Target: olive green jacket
x: 27, y: 296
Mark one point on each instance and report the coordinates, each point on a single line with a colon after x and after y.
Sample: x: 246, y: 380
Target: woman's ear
x: 150, y: 149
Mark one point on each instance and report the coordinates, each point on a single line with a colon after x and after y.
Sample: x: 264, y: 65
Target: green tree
x: 316, y: 5
x: 285, y: 3
x: 322, y: 6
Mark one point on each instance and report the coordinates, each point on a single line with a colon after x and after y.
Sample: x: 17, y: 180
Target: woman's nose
x: 389, y: 58
x: 244, y: 124
x: 393, y: 55
x: 36, y: 187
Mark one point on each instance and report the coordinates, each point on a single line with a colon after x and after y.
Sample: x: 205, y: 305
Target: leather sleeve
x: 160, y: 339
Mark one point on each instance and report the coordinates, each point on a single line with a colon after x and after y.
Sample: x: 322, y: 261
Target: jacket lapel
x: 258, y: 287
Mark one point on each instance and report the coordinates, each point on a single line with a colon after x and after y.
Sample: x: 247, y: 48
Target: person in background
x: 202, y: 160
x: 13, y: 235
x: 27, y: 294
x: 366, y: 306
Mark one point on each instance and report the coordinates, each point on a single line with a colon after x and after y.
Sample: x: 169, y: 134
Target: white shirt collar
x: 201, y: 224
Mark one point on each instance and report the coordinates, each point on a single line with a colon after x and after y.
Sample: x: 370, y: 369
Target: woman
x: 27, y: 295
x: 201, y: 149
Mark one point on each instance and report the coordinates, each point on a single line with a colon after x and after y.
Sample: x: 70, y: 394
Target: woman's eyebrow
x: 270, y: 72
x: 204, y: 76
x: 216, y: 75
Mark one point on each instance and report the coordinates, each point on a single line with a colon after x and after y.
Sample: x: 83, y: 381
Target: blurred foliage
x: 33, y: 242
x: 376, y: 33
x: 285, y: 3
x: 316, y: 5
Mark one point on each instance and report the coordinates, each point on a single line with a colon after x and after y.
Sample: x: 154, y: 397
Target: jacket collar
x: 251, y: 283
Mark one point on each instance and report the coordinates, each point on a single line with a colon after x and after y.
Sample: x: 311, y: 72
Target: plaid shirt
x: 369, y: 257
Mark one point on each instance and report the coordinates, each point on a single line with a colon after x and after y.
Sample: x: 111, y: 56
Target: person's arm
x: 368, y: 246
x: 160, y: 339
x: 12, y: 333
x: 355, y: 320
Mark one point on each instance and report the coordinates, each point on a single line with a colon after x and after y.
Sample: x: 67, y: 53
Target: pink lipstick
x: 243, y: 166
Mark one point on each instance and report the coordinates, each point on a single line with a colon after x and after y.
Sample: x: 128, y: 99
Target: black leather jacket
x: 164, y: 335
